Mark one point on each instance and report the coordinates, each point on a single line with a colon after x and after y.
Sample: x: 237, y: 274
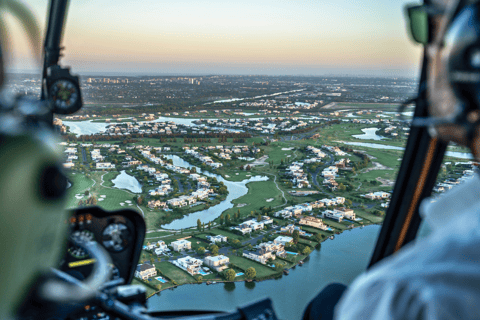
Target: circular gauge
x: 83, y: 235
x: 116, y: 237
x: 65, y: 95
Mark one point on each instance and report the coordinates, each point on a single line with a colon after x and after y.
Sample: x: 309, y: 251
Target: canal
x: 338, y: 260
x: 235, y: 189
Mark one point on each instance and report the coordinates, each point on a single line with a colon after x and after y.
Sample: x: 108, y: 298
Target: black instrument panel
x: 120, y: 232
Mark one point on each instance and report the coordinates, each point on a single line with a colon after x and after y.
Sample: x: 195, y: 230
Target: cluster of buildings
x: 258, y: 125
x: 203, y: 159
x: 70, y: 154
x: 339, y: 214
x: 99, y: 160
x: 298, y: 177
x: 379, y: 195
x: 226, y: 152
x: 303, y: 208
x: 269, y: 250
x: 253, y: 225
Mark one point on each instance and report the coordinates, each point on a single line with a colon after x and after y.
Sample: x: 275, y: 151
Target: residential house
x: 219, y: 263
x: 145, y: 271
x: 181, y: 245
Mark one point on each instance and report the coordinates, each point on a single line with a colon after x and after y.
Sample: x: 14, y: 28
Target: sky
x: 294, y: 37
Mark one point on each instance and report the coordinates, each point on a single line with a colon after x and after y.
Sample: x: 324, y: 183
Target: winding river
x: 338, y: 260
x: 235, y: 190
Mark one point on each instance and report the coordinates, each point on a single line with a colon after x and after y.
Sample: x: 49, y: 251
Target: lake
x: 86, y: 127
x: 369, y: 134
x: 128, y: 182
x: 338, y: 260
x: 235, y: 190
x: 453, y: 154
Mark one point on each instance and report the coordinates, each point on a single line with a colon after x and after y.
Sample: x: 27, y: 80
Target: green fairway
x: 258, y: 193
x: 80, y: 183
x: 113, y: 197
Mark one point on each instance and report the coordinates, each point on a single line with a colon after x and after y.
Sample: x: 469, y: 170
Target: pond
x: 128, y: 182
x: 369, y: 134
x: 338, y: 260
x: 236, y: 190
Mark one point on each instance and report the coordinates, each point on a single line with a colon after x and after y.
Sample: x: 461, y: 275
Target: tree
x: 259, y: 218
x: 230, y: 275
x: 158, y: 286
x: 214, y: 249
x: 91, y: 201
x: 199, y: 225
x: 210, y: 225
x: 341, y: 187
x: 250, y: 273
x: 318, y: 236
x: 278, y: 266
x: 199, y: 278
x: 152, y: 261
x: 227, y: 219
x: 307, y: 250
x: 200, y: 250
x: 296, y: 236
x: 221, y: 219
x: 86, y: 192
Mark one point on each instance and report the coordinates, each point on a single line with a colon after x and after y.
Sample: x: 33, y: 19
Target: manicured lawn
x: 80, y: 183
x: 157, y: 234
x: 175, y: 273
x: 262, y: 271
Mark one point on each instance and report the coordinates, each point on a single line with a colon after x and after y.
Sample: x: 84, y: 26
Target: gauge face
x: 84, y: 236
x: 116, y: 237
x: 64, y: 94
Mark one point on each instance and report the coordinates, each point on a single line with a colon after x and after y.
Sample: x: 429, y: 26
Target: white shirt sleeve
x: 434, y: 278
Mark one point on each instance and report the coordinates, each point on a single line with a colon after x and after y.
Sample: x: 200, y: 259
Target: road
x: 84, y: 155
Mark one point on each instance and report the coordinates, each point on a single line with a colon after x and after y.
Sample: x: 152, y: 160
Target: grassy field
x: 262, y: 271
x: 258, y: 193
x: 80, y: 183
x: 175, y: 273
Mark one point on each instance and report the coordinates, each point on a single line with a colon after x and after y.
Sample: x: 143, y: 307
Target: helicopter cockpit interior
x: 86, y: 259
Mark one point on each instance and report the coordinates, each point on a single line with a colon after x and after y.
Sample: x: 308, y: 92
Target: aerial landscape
x: 239, y: 178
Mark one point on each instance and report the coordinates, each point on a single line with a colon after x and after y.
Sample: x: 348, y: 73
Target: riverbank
x: 289, y: 265
x: 338, y: 260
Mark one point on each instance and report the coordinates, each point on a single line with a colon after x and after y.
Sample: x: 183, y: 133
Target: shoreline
x: 273, y: 277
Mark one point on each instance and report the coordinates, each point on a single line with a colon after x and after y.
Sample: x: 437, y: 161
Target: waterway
x: 256, y: 97
x: 128, y: 182
x: 86, y: 127
x: 369, y: 134
x: 338, y: 260
x: 453, y: 154
x: 236, y: 189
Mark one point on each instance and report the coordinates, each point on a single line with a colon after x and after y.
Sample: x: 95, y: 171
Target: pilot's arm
x: 437, y: 277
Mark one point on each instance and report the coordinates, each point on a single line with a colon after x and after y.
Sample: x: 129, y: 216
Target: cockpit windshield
x: 260, y: 140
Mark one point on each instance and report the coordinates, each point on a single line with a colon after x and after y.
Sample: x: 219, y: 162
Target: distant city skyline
x: 218, y: 37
